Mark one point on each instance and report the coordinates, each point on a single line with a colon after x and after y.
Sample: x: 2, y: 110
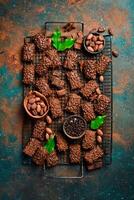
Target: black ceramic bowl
x: 74, y: 126
x: 85, y: 46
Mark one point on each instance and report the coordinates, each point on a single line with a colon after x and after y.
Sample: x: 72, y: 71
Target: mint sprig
x: 50, y: 145
x: 97, y: 122
x: 61, y: 45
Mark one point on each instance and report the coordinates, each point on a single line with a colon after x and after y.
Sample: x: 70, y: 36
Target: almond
x: 47, y: 136
x: 28, y: 106
x: 38, y: 108
x: 32, y: 100
x: 48, y: 119
x: 98, y: 91
x: 101, y: 78
x: 99, y: 139
x: 42, y: 104
x: 99, y: 132
x: 37, y: 99
x: 49, y: 130
x: 90, y: 49
x: 42, y: 112
x: 99, y: 42
x: 89, y: 36
x: 100, y: 47
x: 33, y: 106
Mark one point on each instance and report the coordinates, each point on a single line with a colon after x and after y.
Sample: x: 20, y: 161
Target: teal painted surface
x: 21, y: 18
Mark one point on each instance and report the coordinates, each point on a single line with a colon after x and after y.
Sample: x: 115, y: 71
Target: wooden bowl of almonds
x: 36, y: 104
x: 94, y: 42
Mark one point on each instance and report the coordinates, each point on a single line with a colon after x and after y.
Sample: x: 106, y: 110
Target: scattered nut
x: 99, y: 132
x: 101, y: 78
x: 99, y: 139
x: 48, y: 119
x: 47, y: 136
x: 101, y: 29
x: 98, y: 91
x: 115, y: 53
x: 110, y: 31
x: 49, y: 131
x: 61, y: 92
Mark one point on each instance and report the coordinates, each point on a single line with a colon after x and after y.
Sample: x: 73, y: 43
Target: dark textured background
x: 21, y: 18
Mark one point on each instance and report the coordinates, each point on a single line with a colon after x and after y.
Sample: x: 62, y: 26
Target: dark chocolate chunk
x: 88, y: 111
x: 61, y: 143
x: 68, y: 27
x: 102, y: 64
x: 40, y: 156
x: 96, y: 165
x: 74, y: 79
x: 75, y: 153
x: 73, y: 104
x: 89, y: 139
x: 55, y: 107
x: 43, y: 87
x: 29, y: 74
x: 39, y: 130
x: 32, y: 146
x: 52, y: 159
x: 71, y: 60
x: 28, y: 52
x: 89, y: 68
x: 57, y: 82
x: 93, y: 155
x: 102, y: 103
x: 41, y: 69
x: 89, y: 88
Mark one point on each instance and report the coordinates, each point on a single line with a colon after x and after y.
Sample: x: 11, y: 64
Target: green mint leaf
x: 61, y: 45
x: 69, y: 42
x: 50, y: 145
x: 97, y: 122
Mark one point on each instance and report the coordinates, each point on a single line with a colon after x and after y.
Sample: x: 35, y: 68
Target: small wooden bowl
x: 74, y: 137
x: 85, y: 46
x: 38, y: 94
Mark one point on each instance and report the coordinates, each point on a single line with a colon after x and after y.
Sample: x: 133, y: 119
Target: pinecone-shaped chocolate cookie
x: 28, y: 52
x: 41, y: 41
x: 28, y: 74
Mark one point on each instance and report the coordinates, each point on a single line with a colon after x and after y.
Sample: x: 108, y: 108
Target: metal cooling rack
x: 65, y: 169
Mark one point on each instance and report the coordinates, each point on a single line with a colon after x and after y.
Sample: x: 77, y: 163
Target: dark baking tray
x: 65, y: 169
